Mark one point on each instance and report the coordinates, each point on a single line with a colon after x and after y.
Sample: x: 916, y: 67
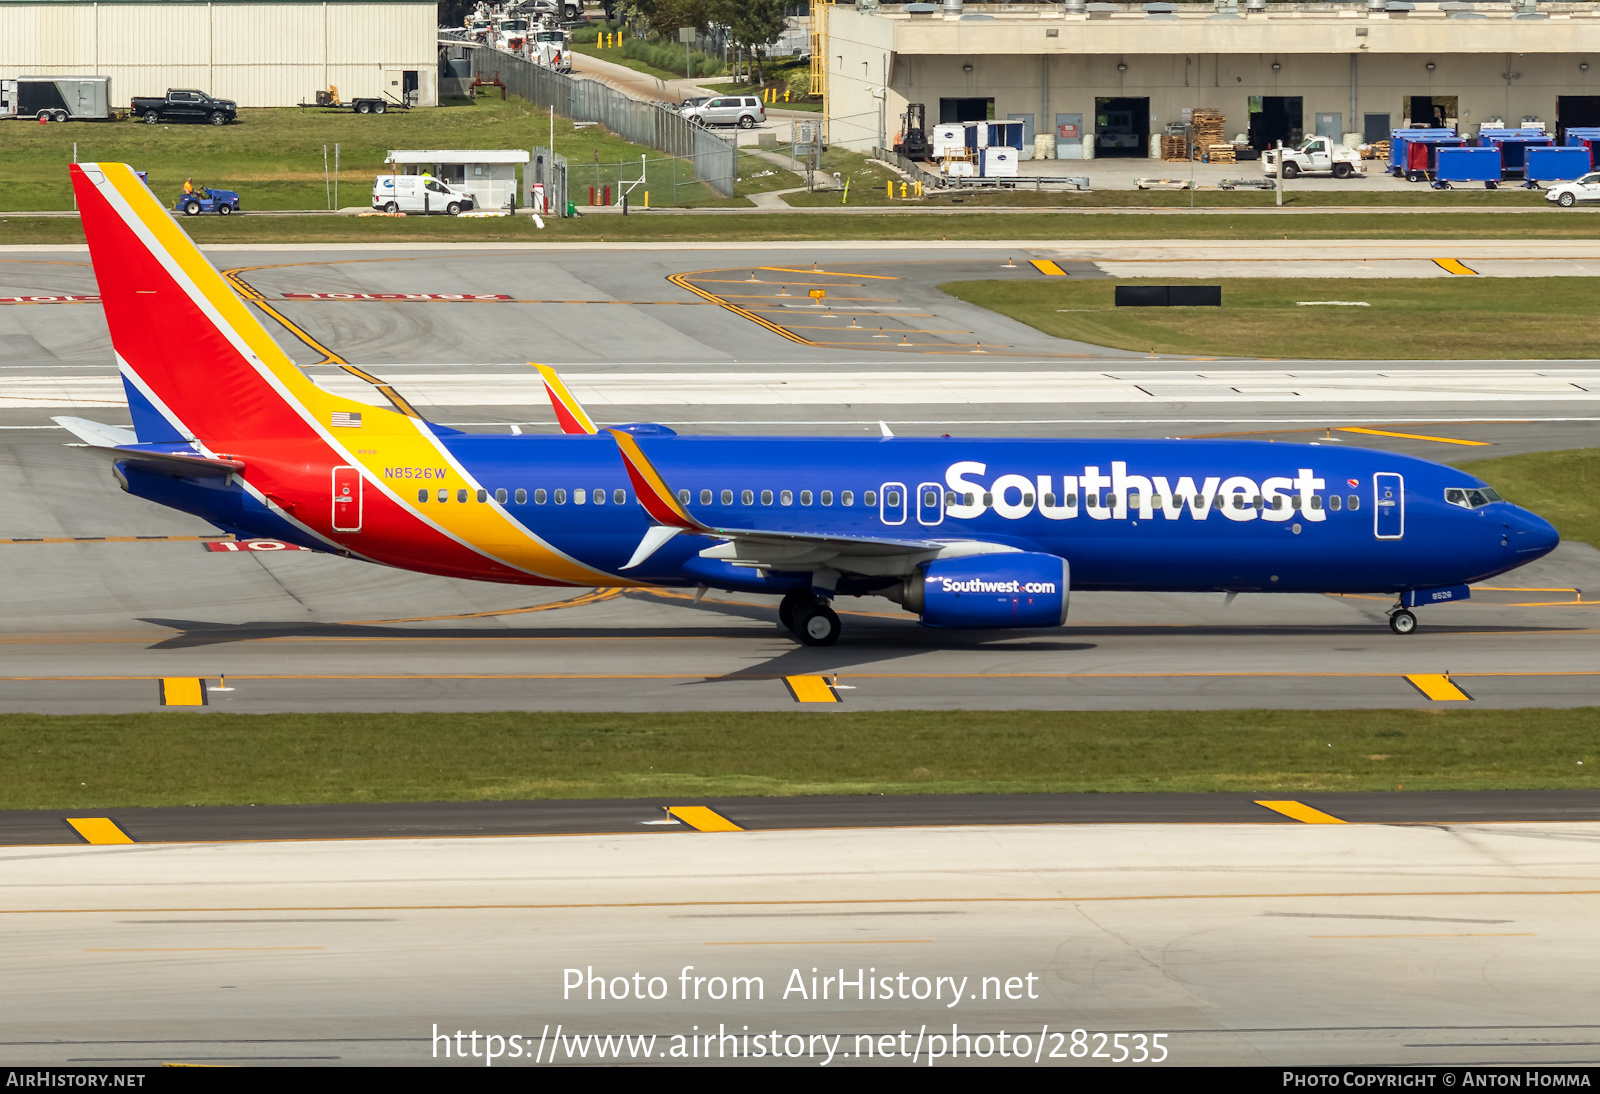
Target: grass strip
x: 171, y: 758
x: 1046, y: 229
x: 1429, y: 318
x: 1562, y: 487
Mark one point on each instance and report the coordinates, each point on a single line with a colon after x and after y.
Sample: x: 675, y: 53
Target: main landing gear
x: 1402, y: 620
x: 810, y: 618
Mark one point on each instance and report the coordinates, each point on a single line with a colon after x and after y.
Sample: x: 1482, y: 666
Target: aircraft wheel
x: 817, y: 625
x: 1402, y: 621
x: 790, y: 606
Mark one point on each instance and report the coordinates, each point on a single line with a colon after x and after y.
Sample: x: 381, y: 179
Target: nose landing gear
x: 1402, y: 620
x: 810, y: 618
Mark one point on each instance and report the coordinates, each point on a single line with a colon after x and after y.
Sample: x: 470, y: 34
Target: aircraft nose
x: 1529, y: 535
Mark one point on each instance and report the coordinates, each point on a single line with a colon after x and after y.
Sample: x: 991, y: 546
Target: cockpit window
x: 1474, y: 498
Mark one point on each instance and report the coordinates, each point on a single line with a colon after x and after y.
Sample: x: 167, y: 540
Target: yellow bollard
x: 647, y: 199
x: 888, y: 190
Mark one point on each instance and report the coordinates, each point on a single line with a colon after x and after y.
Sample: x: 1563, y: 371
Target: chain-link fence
x: 710, y: 159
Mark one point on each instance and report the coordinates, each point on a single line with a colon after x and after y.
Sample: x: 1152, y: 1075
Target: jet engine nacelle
x: 1024, y: 589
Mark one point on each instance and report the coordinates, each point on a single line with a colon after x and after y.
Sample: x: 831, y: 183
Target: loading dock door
x: 1121, y: 127
x: 1574, y: 111
x: 955, y: 111
x: 1433, y: 111
x: 1275, y: 118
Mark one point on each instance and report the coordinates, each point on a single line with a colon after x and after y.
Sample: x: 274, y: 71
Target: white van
x: 416, y: 194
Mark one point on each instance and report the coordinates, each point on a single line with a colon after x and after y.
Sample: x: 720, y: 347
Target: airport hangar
x: 1100, y: 79
x: 255, y: 52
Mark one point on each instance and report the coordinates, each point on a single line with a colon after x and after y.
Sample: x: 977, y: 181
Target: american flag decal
x: 347, y: 418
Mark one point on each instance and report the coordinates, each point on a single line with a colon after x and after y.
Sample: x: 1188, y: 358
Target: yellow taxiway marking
x: 702, y: 819
x: 98, y: 830
x: 1410, y: 436
x: 1438, y: 687
x: 832, y: 942
x: 194, y: 949
x: 811, y: 689
x: 1301, y: 812
x: 829, y: 273
x: 182, y: 691
x: 1473, y: 934
x: 1046, y: 267
x: 1453, y: 265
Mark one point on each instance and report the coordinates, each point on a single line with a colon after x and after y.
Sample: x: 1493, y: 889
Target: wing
x: 569, y: 412
x: 119, y: 445
x: 763, y: 549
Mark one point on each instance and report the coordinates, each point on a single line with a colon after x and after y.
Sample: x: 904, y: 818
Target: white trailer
x: 56, y: 98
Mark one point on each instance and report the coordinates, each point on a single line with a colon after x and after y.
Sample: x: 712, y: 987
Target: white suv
x: 1568, y: 194
x: 745, y: 111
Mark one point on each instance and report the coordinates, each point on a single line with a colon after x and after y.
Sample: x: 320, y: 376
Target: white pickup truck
x: 1316, y: 155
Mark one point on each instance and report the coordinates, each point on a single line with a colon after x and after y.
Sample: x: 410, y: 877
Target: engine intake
x: 1025, y: 589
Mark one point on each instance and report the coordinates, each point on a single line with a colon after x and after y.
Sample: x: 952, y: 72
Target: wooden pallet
x: 1378, y: 150
x: 1220, y: 153
x: 1174, y: 148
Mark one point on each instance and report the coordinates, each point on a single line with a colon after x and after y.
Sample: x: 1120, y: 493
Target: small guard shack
x: 488, y: 174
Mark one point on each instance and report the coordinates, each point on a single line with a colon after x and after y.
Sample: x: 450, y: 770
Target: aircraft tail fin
x: 197, y: 364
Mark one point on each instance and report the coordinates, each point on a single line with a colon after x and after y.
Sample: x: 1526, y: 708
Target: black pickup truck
x: 185, y: 105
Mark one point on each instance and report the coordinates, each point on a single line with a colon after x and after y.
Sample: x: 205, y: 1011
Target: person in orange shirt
x: 188, y: 186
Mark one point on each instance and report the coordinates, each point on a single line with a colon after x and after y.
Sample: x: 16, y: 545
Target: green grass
x: 1440, y: 318
x: 187, y: 759
x: 274, y: 157
x: 866, y: 181
x: 661, y: 60
x: 1046, y: 228
x: 1562, y: 487
x: 1025, y: 198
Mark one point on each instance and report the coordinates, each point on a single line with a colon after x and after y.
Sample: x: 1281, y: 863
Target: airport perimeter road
x: 1242, y: 944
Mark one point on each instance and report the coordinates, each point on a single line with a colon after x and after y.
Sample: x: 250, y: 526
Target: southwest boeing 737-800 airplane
x: 965, y: 533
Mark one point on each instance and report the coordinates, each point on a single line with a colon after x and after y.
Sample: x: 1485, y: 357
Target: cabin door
x: 1389, y: 506
x: 346, y: 499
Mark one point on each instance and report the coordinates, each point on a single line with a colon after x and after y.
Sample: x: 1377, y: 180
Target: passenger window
x: 705, y: 497
x: 727, y: 497
x: 683, y: 497
x: 539, y: 496
x: 522, y: 497
x: 988, y: 498
x: 461, y: 496
x: 766, y: 497
x: 1335, y: 502
x: 827, y: 497
x: 1092, y: 500
x: 483, y: 496
x: 891, y: 497
x: 847, y: 497
x: 422, y: 495
x: 1238, y: 501
x: 579, y: 497
x: 786, y: 497
x: 1049, y: 501
x: 950, y: 497
x: 561, y: 497
x: 501, y: 496
x: 1256, y: 501
x: 1027, y: 499
x: 1355, y: 502
x: 805, y: 497
x: 869, y: 498
x: 599, y: 497
x: 444, y: 495
x: 747, y: 497
x: 619, y: 497
x: 1072, y: 501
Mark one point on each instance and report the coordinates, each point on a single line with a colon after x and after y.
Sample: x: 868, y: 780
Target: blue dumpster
x: 1412, y: 151
x: 1514, y: 145
x: 1556, y: 164
x: 1586, y: 137
x: 1467, y: 165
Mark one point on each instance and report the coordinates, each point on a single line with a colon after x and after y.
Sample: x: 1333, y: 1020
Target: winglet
x: 569, y: 412
x: 651, y: 488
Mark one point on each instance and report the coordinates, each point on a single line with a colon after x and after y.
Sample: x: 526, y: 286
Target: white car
x: 1568, y: 194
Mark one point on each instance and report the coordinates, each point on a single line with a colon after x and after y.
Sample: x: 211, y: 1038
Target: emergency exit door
x: 346, y: 499
x: 1389, y: 506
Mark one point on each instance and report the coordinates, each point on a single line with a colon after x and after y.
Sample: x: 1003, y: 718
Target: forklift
x: 913, y: 140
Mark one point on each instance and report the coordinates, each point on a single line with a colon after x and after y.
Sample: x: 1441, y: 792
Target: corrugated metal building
x: 256, y: 52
